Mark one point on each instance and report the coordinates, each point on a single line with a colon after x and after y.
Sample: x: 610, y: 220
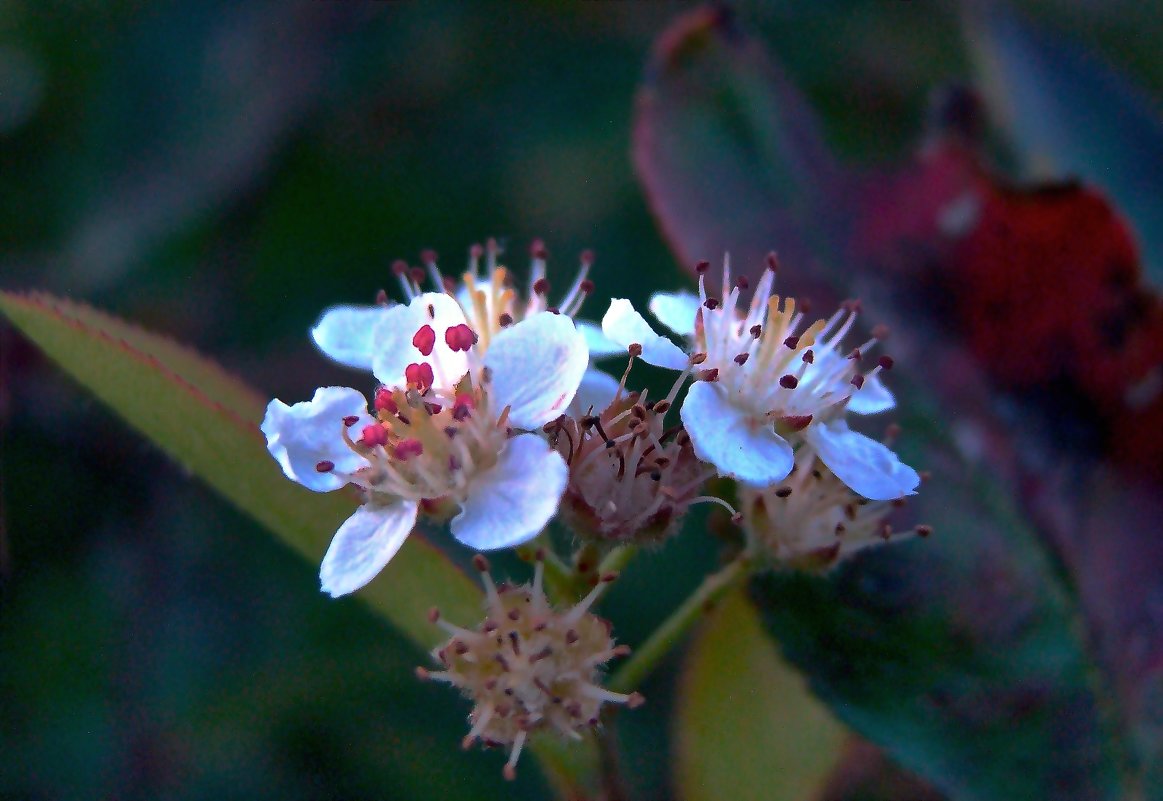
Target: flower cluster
x: 488, y: 414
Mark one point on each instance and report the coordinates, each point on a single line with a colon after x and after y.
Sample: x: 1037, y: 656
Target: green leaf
x: 208, y: 420
x: 746, y: 727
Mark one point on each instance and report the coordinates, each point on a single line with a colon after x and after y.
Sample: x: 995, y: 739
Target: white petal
x: 536, y: 367
x: 600, y: 347
x: 394, y: 350
x: 627, y: 327
x: 347, y: 334
x: 738, y: 444
x: 868, y: 467
x: 676, y: 310
x: 511, y: 502
x: 310, y: 432
x: 364, y: 544
x: 595, y: 393
x: 871, y: 398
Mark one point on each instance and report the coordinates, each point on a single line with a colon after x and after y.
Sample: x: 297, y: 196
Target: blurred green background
x: 221, y: 172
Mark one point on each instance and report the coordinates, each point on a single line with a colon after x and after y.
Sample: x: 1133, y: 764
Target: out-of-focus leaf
x: 1072, y: 114
x: 208, y: 421
x: 746, y: 727
x: 968, y: 657
x: 727, y: 149
x: 864, y: 773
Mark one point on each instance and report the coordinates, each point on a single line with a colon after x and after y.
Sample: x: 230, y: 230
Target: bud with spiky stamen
x: 812, y: 520
x: 528, y: 666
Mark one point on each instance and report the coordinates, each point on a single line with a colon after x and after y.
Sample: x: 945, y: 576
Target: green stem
x: 647, y: 656
x: 617, y: 559
x: 559, y: 579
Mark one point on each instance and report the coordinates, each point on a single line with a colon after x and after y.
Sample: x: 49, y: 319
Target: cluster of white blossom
x: 489, y: 413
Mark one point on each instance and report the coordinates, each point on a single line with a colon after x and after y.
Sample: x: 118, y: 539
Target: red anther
x: 924, y: 530
x: 350, y: 420
x: 407, y: 448
x: 325, y: 466
x: 480, y: 563
x: 586, y: 287
x: 541, y: 286
x: 885, y: 362
x: 809, y: 356
x: 433, y: 409
x: 792, y: 342
x: 416, y: 274
x: 373, y: 435
x: 419, y: 375
x: 381, y: 298
x: 806, y: 305
x: 756, y: 331
x: 661, y: 408
x: 635, y: 349
x: 491, y: 245
x: 796, y: 422
x: 553, y: 310
x: 463, y: 407
x: 773, y: 261
x: 698, y: 358
x: 742, y: 283
x: 476, y: 251
x: 424, y: 340
x: 586, y: 257
x: 741, y: 359
x: 537, y: 249
x: 789, y: 381
x: 711, y: 303
x: 783, y: 492
x: 702, y: 267
x: 460, y: 337
x: 384, y: 401
x: 880, y: 331
x: 505, y: 320
x: 708, y: 375
x: 858, y: 380
x: 855, y: 355
x: 399, y: 267
x: 428, y: 256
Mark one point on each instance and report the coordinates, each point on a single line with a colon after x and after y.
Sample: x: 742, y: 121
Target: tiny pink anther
x: 407, y: 449
x: 460, y: 337
x: 374, y: 435
x: 325, y: 466
x: 424, y: 340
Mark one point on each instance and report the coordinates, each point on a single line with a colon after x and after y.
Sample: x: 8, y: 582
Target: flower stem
x: 647, y: 656
x: 617, y: 559
x: 559, y: 579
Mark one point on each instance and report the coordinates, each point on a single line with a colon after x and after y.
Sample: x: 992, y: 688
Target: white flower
x: 354, y: 335
x: 441, y: 436
x: 767, y: 384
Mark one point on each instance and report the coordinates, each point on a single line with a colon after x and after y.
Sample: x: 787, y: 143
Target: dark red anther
x: 505, y: 320
x: 381, y: 298
x: 325, y: 466
x: 428, y: 256
x: 350, y: 420
x: 416, y: 274
x: 741, y: 283
x: 789, y: 381
x: 586, y: 287
x: 460, y: 337
x: 880, y: 331
x: 858, y: 380
x: 537, y: 249
x: 805, y: 305
x: 756, y: 331
x: 587, y: 257
x: 809, y: 356
x: 711, y: 303
x: 855, y: 355
x: 708, y: 375
x: 541, y: 286
x: 702, y: 267
x: 491, y: 246
x: 463, y: 406
x: 424, y: 340
x: 480, y: 563
x: 476, y: 251
x: 792, y: 342
x: 419, y: 375
x: 384, y: 401
x: 796, y: 422
x: 885, y: 362
x: 407, y: 448
x: 783, y: 492
x: 773, y: 262
x: 635, y: 349
x: 373, y: 435
x: 400, y: 267
x: 924, y: 531
x: 741, y: 359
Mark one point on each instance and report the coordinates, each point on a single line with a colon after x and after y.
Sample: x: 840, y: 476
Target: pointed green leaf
x: 746, y: 727
x: 208, y: 420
